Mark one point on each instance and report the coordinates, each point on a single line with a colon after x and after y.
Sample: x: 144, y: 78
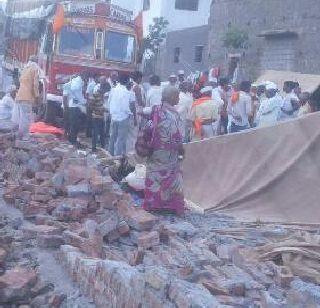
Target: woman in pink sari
x: 164, y: 186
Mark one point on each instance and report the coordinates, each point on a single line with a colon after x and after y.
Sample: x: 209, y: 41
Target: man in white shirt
x: 120, y: 101
x: 270, y: 107
x: 77, y: 105
x: 240, y: 108
x: 219, y: 95
x: 154, y: 94
x: 92, y: 83
x: 290, y: 101
x: 184, y: 108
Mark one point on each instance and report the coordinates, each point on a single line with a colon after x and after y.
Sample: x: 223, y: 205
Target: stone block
x: 3, y: 256
x: 60, y: 152
x: 34, y: 208
x: 184, y: 294
x: 43, y: 176
x: 50, y: 241
x: 25, y: 145
x: 147, y: 240
x: 73, y: 239
x: 108, y: 199
x: 41, y: 198
x: 15, y: 284
x: 123, y: 228
x: 108, y: 226
x: 137, y: 257
x: 70, y: 210
x: 31, y: 232
x: 303, y: 294
x: 157, y: 278
x: 284, y: 276
x: 214, y: 287
x: 74, y: 191
x: 25, y: 196
x: 137, y: 218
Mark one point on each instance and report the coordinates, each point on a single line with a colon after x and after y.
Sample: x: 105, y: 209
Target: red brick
x: 149, y: 239
x: 123, y: 228
x: 25, y: 196
x: 34, y: 230
x: 34, y: 208
x: 107, y: 199
x: 137, y: 257
x: 41, y: 198
x: 137, y: 218
x: 43, y: 176
x: 50, y: 241
x: 16, y: 283
x: 3, y: 256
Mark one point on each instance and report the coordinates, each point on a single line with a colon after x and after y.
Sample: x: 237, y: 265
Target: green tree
x: 235, y: 38
x: 157, y: 34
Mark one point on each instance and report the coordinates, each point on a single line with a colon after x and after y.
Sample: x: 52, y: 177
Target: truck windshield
x: 119, y: 47
x: 76, y: 41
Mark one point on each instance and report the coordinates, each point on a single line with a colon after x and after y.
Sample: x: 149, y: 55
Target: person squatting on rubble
x: 7, y: 104
x: 28, y: 96
x: 164, y: 186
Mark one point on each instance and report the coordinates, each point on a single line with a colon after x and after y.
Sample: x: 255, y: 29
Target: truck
x: 95, y: 36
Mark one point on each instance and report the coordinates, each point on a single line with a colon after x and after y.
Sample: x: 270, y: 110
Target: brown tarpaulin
x: 270, y: 174
x: 308, y: 82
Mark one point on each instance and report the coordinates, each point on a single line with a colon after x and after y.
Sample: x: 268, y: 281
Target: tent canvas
x: 270, y: 174
x: 308, y: 82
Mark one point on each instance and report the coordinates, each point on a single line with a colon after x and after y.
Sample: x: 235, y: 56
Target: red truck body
x: 96, y: 37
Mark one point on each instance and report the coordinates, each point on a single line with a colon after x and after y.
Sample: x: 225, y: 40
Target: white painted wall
x: 178, y: 19
x: 132, y: 5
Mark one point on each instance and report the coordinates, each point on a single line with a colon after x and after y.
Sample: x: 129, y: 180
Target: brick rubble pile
x: 122, y: 256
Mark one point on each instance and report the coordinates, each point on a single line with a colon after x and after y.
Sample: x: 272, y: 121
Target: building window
x: 176, y: 55
x: 188, y: 5
x: 146, y: 5
x: 198, y: 54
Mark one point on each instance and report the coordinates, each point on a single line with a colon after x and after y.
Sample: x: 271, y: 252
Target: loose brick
x: 149, y: 239
x: 137, y: 218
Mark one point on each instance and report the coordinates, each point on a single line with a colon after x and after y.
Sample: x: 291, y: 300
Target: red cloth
x: 43, y: 128
x: 58, y: 21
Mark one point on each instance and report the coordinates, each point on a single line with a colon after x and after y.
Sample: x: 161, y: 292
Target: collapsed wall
x: 121, y: 256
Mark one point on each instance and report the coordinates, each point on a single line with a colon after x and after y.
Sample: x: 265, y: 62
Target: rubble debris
x: 118, y: 253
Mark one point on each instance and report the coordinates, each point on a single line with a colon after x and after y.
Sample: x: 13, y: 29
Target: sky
x: 132, y: 5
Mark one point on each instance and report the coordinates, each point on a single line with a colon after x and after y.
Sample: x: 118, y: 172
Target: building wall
x: 186, y: 40
x: 298, y: 53
x: 178, y: 19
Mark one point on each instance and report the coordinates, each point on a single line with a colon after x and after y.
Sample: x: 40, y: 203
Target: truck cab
x: 95, y: 37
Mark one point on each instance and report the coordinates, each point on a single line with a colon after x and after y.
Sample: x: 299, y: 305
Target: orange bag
x: 43, y: 128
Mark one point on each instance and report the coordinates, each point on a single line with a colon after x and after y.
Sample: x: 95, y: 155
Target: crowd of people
x: 122, y: 114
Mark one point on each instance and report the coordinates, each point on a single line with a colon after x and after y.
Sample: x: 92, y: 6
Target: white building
x: 181, y: 14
